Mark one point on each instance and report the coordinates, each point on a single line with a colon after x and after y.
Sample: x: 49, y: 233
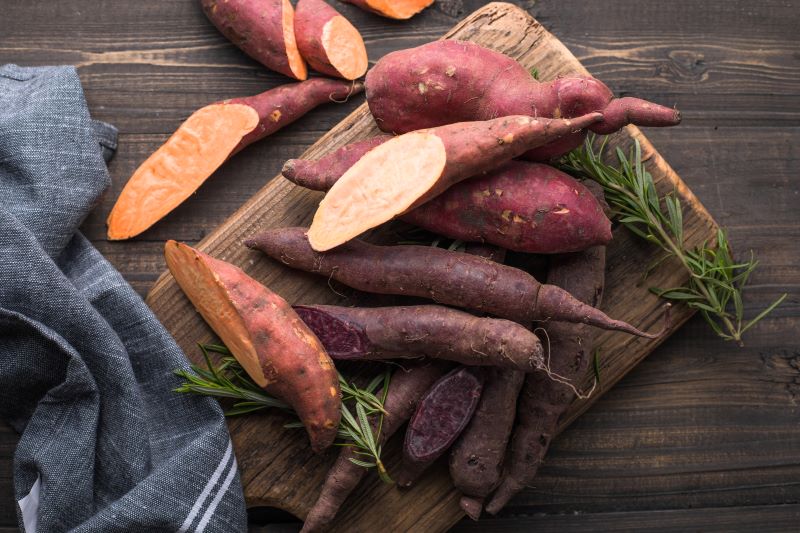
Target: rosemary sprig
x: 229, y: 380
x: 716, y: 281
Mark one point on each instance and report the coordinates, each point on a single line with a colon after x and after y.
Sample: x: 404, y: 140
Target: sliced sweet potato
x: 393, y: 9
x: 328, y: 41
x: 266, y: 336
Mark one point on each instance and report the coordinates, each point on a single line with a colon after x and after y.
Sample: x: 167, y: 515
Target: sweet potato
x: 448, y: 277
x: 393, y: 9
x: 525, y: 207
x: 204, y: 142
x: 378, y: 333
x: 328, y: 41
x: 263, y: 29
x: 543, y: 401
x: 439, y: 419
x: 453, y: 81
x: 476, y: 460
x: 405, y: 390
x: 266, y: 336
x: 411, y: 169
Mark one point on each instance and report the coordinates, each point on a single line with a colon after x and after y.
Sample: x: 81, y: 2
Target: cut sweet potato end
x: 209, y: 296
x: 399, y: 9
x: 296, y: 62
x: 176, y: 170
x: 381, y: 185
x: 344, y: 47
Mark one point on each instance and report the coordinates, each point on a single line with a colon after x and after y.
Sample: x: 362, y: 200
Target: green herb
x: 535, y: 73
x: 716, y: 281
x: 229, y: 380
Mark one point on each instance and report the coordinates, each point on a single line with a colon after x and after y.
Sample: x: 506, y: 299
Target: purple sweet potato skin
x: 407, y: 386
x: 284, y: 104
x: 542, y: 400
x: 439, y: 419
x: 476, y: 460
x: 255, y: 26
x: 524, y: 207
x: 438, y: 332
x: 416, y: 88
x: 321, y: 174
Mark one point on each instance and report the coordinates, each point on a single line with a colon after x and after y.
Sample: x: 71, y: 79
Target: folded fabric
x: 86, y: 370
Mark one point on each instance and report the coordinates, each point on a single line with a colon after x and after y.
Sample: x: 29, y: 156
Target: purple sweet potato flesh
x: 438, y: 332
x: 439, y: 419
x: 453, y: 81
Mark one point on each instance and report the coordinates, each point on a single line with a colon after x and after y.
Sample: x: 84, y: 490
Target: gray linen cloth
x: 86, y: 370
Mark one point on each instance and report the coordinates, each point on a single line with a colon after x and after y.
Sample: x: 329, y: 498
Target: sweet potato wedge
x: 328, y: 41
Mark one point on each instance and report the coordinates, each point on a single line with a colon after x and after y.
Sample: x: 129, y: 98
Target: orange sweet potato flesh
x: 263, y: 29
x: 328, y: 41
x: 393, y: 9
x: 205, y: 141
x: 266, y: 336
x: 411, y: 169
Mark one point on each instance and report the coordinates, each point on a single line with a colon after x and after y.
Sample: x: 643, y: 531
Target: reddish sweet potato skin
x: 378, y: 333
x: 476, y: 460
x: 321, y: 174
x: 416, y: 88
x: 448, y: 277
x: 543, y: 401
x: 255, y: 26
x: 406, y: 387
x: 284, y: 104
x: 439, y: 419
x: 524, y: 207
x: 307, y: 380
x: 309, y: 24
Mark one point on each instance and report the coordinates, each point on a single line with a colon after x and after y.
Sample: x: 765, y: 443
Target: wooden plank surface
x: 276, y: 466
x: 731, y: 66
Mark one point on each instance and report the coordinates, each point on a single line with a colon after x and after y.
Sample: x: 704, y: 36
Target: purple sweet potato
x: 448, y: 277
x: 525, y: 207
x: 453, y: 81
x: 543, y: 401
x: 406, y: 388
x: 378, y: 333
x: 439, y: 419
x: 328, y: 41
x: 409, y: 170
x: 263, y: 29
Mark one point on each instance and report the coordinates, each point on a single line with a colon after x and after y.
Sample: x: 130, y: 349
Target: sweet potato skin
x: 417, y: 88
x: 311, y: 16
x: 373, y: 7
x: 406, y: 388
x: 438, y: 332
x: 476, y: 459
x: 321, y: 174
x: 256, y: 27
x: 439, y: 419
x: 293, y: 362
x: 284, y: 104
x: 520, y: 206
x: 448, y: 277
x: 542, y: 400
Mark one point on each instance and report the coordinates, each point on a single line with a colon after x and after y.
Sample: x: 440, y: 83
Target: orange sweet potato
x: 393, y: 9
x: 266, y: 336
x: 328, y: 41
x: 409, y: 170
x: 263, y: 29
x: 205, y: 141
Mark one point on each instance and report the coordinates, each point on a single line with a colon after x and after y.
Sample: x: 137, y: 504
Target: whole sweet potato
x: 452, y: 81
x: 520, y: 206
x: 409, y: 170
x: 448, y: 277
x: 266, y: 336
x: 378, y: 333
x: 263, y: 29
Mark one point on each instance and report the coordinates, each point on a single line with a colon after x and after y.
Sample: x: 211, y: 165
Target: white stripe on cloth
x: 29, y: 506
x: 207, y: 489
x: 213, y: 507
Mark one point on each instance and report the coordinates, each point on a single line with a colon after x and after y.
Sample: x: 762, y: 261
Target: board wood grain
x: 276, y: 464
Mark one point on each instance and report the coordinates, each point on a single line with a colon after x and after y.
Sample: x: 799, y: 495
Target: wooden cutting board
x: 277, y: 467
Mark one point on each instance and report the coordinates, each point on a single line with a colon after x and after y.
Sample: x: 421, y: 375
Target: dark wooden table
x: 703, y: 435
